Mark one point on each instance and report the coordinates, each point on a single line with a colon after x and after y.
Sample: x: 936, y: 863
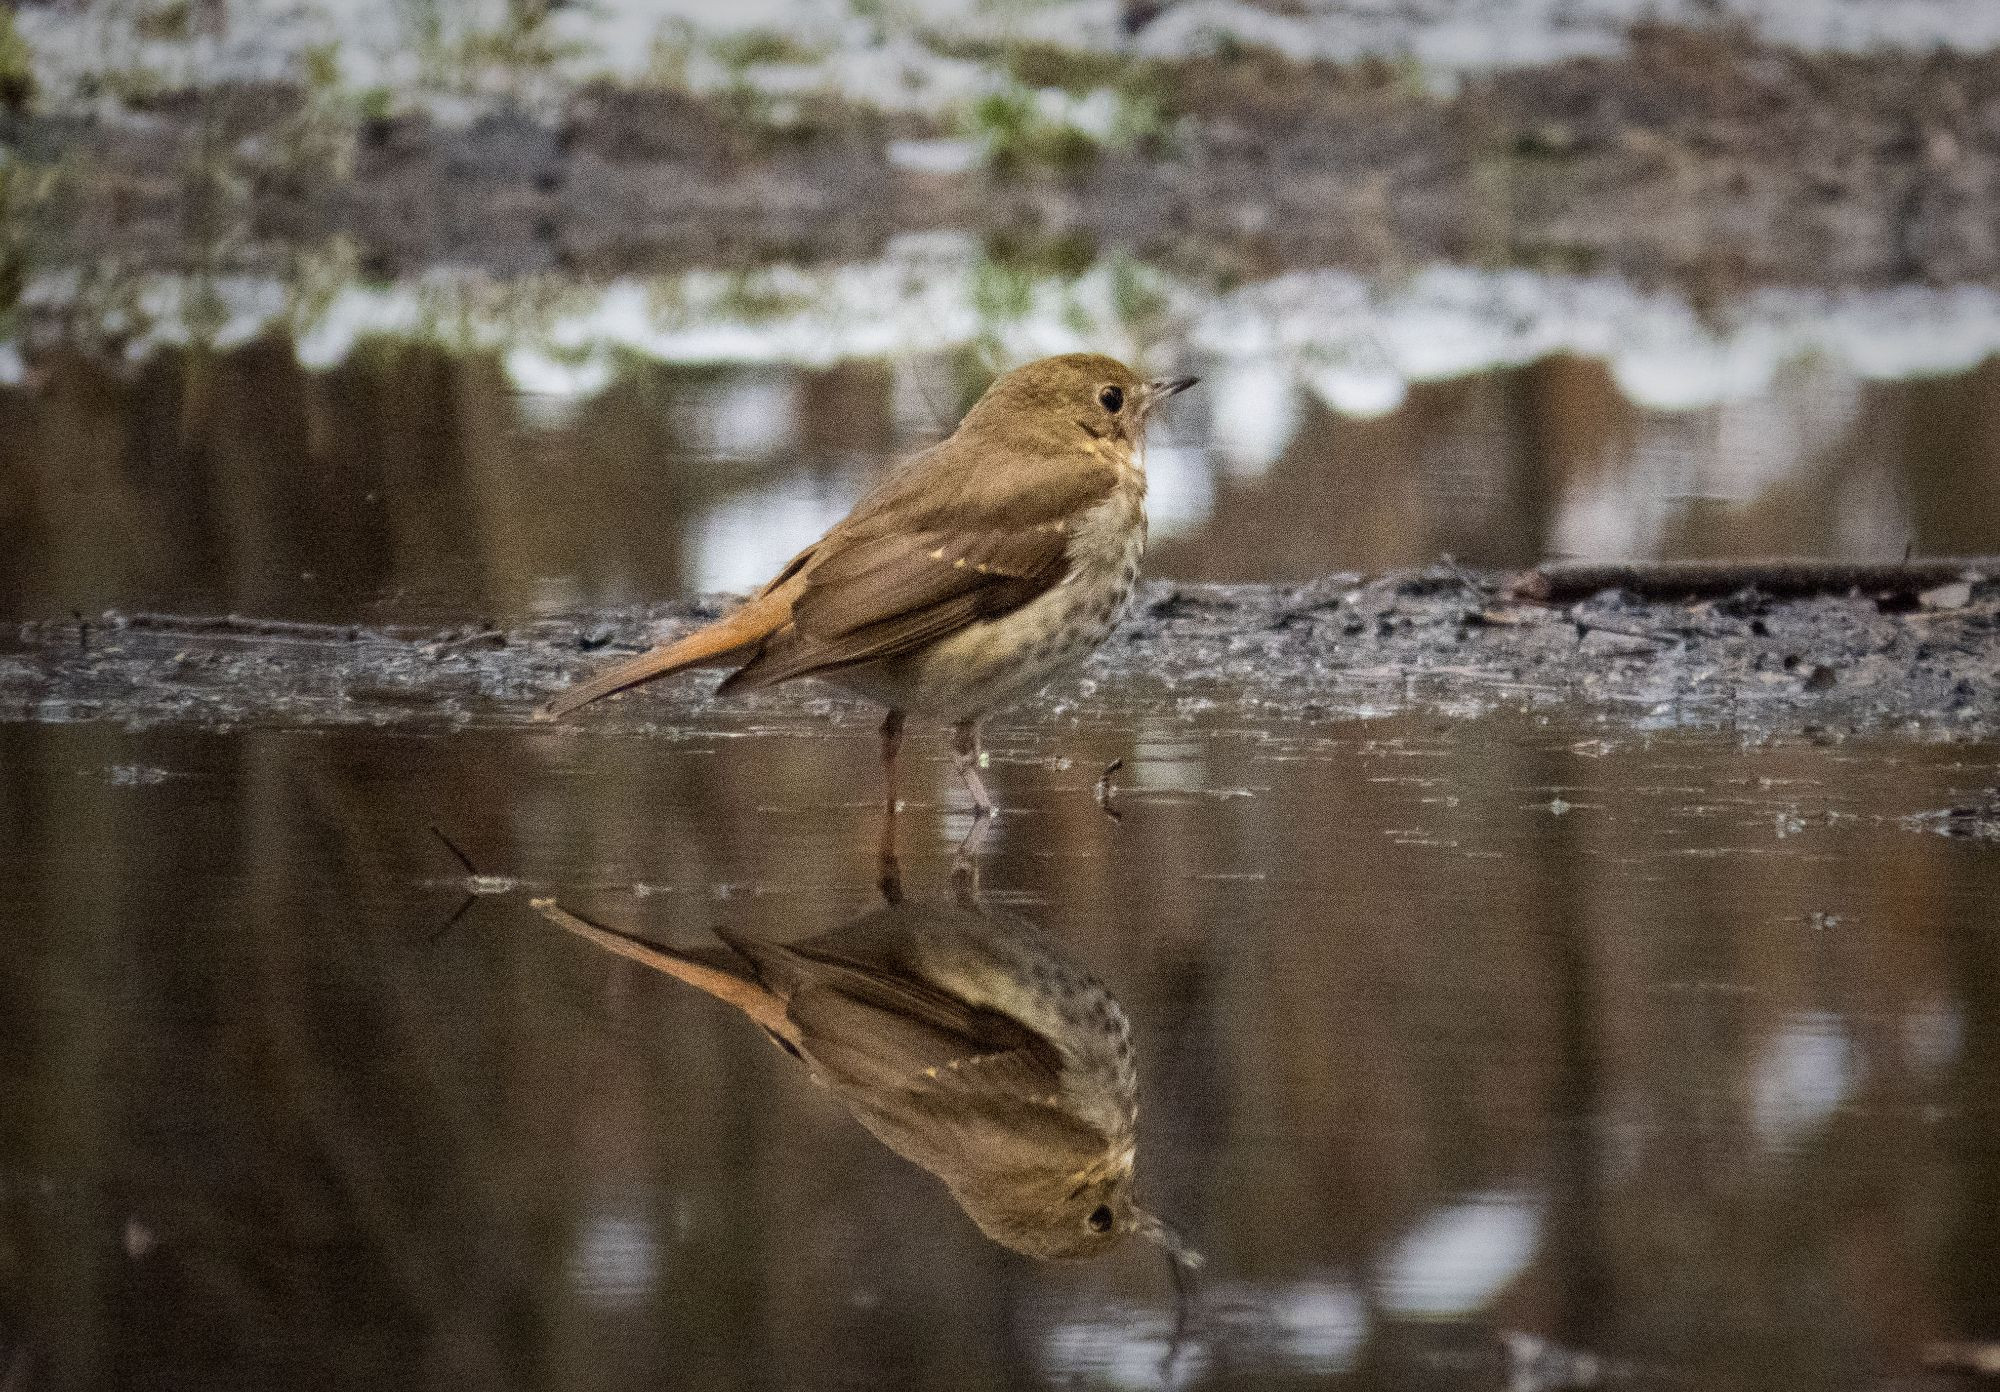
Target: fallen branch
x: 235, y: 626
x: 1565, y: 582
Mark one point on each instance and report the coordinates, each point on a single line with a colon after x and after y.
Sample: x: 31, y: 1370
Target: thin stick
x: 460, y: 856
x: 456, y: 915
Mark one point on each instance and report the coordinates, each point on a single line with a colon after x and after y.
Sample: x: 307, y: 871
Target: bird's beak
x: 1164, y: 1235
x: 1159, y: 391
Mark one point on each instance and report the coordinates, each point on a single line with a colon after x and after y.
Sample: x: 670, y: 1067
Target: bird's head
x: 1071, y: 399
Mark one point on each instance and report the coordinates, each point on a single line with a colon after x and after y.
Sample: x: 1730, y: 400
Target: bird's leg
x: 965, y: 862
x: 965, y: 868
x: 892, y: 744
x: 1105, y: 789
x: 889, y: 878
x: 965, y: 750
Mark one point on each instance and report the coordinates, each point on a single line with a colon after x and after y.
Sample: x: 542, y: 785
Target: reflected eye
x: 1100, y: 1217
x: 1111, y: 399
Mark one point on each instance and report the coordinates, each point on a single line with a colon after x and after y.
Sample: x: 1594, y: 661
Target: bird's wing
x: 869, y: 1025
x: 917, y: 564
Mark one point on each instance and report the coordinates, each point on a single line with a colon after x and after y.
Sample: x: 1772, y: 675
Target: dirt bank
x: 1440, y: 639
x: 1700, y: 157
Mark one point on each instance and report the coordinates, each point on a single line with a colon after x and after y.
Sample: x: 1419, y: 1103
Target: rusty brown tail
x: 747, y: 996
x: 754, y: 622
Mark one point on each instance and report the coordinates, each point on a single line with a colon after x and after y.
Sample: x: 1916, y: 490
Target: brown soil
x: 1702, y: 158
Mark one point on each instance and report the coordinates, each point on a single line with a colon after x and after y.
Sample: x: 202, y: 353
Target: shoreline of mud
x: 1700, y: 158
x: 1440, y: 639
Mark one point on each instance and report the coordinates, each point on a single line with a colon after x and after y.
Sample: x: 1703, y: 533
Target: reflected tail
x: 746, y: 995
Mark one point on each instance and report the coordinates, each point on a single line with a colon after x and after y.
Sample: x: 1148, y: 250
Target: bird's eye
x: 1111, y: 399
x: 1100, y: 1217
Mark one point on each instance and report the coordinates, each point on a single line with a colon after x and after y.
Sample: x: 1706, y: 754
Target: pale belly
x: 989, y: 664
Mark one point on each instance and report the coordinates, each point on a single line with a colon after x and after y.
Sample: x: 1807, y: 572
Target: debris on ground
x: 1444, y: 637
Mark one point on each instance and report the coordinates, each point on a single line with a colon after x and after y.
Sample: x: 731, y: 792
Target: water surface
x: 1454, y: 1037
x: 1471, y: 1050
x: 418, y: 483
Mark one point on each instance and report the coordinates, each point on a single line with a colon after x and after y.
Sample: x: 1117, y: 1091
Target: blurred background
x: 411, y: 308
x: 1527, y: 1048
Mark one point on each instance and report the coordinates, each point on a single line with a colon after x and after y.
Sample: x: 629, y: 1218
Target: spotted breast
x: 986, y: 664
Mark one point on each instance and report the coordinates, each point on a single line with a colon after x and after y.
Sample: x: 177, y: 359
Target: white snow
x: 446, y: 55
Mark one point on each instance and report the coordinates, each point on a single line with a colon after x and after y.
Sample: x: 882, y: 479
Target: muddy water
x: 1465, y: 1049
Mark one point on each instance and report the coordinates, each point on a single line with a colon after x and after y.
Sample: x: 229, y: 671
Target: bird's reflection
x: 964, y: 1039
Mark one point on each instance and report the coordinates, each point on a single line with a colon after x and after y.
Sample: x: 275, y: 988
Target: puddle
x: 1447, y: 1088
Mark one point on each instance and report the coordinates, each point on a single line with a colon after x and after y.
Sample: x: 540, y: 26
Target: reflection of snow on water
x: 749, y: 417
x: 614, y: 1263
x: 1179, y: 492
x: 1460, y: 1257
x: 743, y: 541
x: 1736, y: 400
x: 1358, y: 344
x: 1802, y: 415
x: 1316, y: 1325
x: 1805, y: 1072
x: 1253, y: 413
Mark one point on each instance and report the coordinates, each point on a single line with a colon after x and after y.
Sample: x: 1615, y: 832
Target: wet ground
x: 1923, y: 660
x: 1695, y: 156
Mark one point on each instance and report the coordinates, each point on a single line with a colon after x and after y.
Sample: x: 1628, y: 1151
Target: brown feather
x: 935, y: 548
x: 720, y: 640
x: 754, y: 1000
x: 877, y: 1023
x: 889, y: 595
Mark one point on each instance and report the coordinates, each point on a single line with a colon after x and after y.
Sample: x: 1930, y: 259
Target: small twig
x: 456, y: 915
x: 238, y: 626
x: 473, y: 882
x: 460, y: 856
x: 1465, y: 578
x: 465, y: 640
x: 965, y: 860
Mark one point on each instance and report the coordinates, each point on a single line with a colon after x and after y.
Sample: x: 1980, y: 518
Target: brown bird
x: 969, y: 576
x: 965, y: 1041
